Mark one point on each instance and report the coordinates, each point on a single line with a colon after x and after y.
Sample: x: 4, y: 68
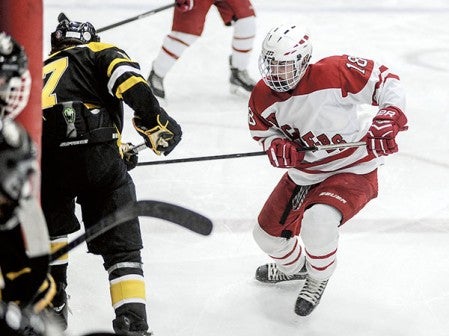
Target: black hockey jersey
x: 100, y: 76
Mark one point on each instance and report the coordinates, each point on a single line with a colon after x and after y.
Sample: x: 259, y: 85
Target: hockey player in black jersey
x: 85, y: 84
x: 25, y: 284
x: 26, y: 288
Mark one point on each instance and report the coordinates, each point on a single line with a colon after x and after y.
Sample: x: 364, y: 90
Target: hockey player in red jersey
x: 297, y: 104
x: 188, y: 24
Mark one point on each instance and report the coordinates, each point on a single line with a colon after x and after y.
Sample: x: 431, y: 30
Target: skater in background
x: 298, y: 104
x: 189, y: 17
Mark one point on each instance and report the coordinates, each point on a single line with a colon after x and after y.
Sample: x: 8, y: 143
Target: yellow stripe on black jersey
x: 98, y: 74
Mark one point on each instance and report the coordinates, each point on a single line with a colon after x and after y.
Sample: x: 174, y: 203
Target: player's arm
x: 125, y: 81
x: 389, y: 95
x: 369, y: 82
x: 281, y: 151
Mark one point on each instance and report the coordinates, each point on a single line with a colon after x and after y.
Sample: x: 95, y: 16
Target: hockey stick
x: 134, y: 18
x: 238, y: 155
x: 166, y: 211
x: 62, y: 17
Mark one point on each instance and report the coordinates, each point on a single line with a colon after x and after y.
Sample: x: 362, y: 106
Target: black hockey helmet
x: 69, y: 33
x: 17, y: 161
x: 15, y: 79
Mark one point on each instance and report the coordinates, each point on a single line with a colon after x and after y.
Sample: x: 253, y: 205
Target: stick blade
x: 186, y: 218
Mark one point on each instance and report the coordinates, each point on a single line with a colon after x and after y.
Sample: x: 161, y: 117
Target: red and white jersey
x: 326, y: 107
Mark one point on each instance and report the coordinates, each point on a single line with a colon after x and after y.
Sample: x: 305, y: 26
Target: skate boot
x: 269, y: 273
x: 60, y: 308
x: 122, y: 326
x: 240, y: 80
x: 156, y: 84
x: 309, y: 296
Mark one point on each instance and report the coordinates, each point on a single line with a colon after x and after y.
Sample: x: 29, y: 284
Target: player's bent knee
x: 320, y: 223
x: 268, y: 243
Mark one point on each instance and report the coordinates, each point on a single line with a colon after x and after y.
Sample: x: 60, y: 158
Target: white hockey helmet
x: 285, y: 56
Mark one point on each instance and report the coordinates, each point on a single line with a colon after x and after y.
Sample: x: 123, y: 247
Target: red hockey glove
x: 184, y: 5
x: 382, y: 133
x: 283, y: 153
x: 162, y: 136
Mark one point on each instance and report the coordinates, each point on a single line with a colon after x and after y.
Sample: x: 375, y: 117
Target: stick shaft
x: 335, y: 146
x: 134, y: 18
x: 238, y: 155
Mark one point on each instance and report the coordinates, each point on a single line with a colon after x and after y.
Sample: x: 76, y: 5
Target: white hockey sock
x: 319, y: 232
x: 288, y: 254
x: 173, y: 46
x: 243, y: 41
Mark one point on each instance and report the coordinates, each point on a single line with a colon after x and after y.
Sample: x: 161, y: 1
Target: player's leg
x: 59, y: 210
x: 187, y: 27
x: 121, y: 246
x: 276, y: 233
x: 241, y: 16
x: 327, y: 206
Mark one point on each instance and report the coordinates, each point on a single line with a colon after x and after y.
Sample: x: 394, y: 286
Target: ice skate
x: 60, y: 307
x: 269, y: 273
x: 156, y: 84
x: 240, y: 80
x: 122, y: 326
x: 309, y: 296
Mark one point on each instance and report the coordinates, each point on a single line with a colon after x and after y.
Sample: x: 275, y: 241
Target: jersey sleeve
x: 261, y: 125
x: 365, y: 81
x: 126, y: 82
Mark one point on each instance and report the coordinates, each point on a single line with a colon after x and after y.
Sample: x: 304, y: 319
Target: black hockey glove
x: 130, y: 156
x: 162, y: 136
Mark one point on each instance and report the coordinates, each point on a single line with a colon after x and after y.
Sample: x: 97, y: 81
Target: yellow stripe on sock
x: 56, y: 245
x: 127, y: 289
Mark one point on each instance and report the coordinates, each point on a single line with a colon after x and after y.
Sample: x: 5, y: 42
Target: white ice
x: 393, y: 261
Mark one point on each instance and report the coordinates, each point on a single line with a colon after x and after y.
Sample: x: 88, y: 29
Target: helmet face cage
x: 281, y: 76
x: 285, y: 56
x: 14, y: 96
x: 70, y: 33
x: 15, y: 79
